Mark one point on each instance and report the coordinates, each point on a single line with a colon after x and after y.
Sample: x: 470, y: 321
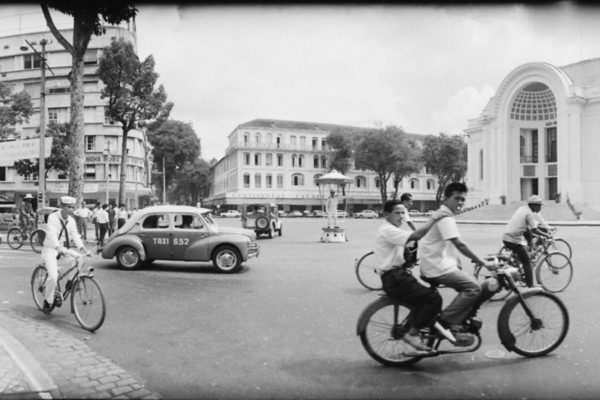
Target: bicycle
x: 553, y: 270
x: 532, y: 323
x: 16, y: 236
x: 364, y: 268
x: 87, y: 300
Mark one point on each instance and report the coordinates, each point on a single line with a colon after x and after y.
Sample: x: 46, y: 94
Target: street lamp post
x: 107, y: 175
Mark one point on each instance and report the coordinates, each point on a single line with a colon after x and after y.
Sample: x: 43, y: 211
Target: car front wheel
x: 128, y: 258
x: 227, y: 259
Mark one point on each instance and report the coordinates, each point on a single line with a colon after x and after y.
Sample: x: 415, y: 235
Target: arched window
x: 360, y: 182
x: 257, y: 139
x: 256, y: 158
x: 294, y: 160
x: 414, y: 183
x: 317, y: 176
x: 246, y: 138
x: 430, y: 184
x: 301, y: 161
x: 298, y: 180
x: 279, y: 140
x: 323, y: 162
x: 316, y: 162
x: 269, y: 139
x: 246, y: 158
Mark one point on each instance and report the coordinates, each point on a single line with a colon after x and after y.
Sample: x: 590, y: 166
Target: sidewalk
x: 38, y: 361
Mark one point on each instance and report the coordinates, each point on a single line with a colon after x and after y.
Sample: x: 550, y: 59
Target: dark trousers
x: 120, y: 222
x: 96, y: 228
x: 103, y: 228
x: 426, y: 302
x: 523, y: 256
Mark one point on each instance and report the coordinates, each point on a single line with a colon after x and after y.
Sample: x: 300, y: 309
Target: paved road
x: 285, y: 326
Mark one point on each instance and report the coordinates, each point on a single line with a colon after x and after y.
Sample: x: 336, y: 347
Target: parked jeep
x: 263, y: 218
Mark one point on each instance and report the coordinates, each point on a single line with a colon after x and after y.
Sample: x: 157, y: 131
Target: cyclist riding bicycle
x: 522, y: 222
x: 26, y: 213
x: 60, y: 230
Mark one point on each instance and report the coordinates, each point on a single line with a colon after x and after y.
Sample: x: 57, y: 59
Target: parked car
x: 179, y: 233
x: 294, y: 214
x: 342, y: 214
x: 281, y: 213
x: 231, y: 214
x: 366, y: 214
x: 319, y: 214
x: 263, y: 218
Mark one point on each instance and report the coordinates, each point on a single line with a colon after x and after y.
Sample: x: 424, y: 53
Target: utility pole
x: 106, y: 166
x: 164, y: 196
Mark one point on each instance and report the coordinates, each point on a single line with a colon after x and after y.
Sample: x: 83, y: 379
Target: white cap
x: 28, y: 196
x: 68, y: 200
x: 535, y: 199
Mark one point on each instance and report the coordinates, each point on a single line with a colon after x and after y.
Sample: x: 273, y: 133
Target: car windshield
x: 209, y: 220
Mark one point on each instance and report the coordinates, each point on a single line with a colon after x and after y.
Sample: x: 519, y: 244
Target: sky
x: 427, y: 69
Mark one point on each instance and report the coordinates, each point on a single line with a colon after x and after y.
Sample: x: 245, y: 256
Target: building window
x: 90, y: 143
x: 303, y: 141
x: 481, y: 164
x: 315, y: 143
x: 246, y: 139
x: 280, y: 160
x: 316, y: 162
x: 317, y: 176
x: 414, y: 184
x: 269, y: 159
x: 323, y: 162
x: 246, y: 158
x: 323, y: 144
x: 64, y: 89
x: 53, y: 115
x: 246, y: 180
x: 269, y: 180
x: 90, y: 171
x: 279, y: 138
x: 361, y: 182
x: 107, y: 119
x: 32, y: 61
x: 551, y: 142
x: 257, y: 181
x: 279, y: 181
x: 377, y: 182
x: 293, y: 160
x: 2, y: 174
x: 257, y: 159
x: 293, y: 141
x: 90, y: 57
x: 301, y: 161
x: 62, y: 176
x: 269, y: 139
x: 257, y: 139
x: 298, y: 180
x: 430, y: 185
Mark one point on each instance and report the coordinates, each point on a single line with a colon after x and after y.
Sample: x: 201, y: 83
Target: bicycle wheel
x: 365, y: 272
x: 554, y: 272
x: 87, y: 302
x: 15, y: 238
x: 480, y: 276
x: 381, y: 326
x: 538, y: 336
x: 560, y: 245
x: 38, y: 286
x: 37, y: 240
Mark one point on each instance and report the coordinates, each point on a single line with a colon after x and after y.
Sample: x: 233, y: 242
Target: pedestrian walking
x: 121, y: 216
x: 82, y: 215
x: 95, y: 220
x: 102, y: 219
x: 112, y: 215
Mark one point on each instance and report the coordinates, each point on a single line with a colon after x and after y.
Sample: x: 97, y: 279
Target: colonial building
x: 539, y: 135
x: 278, y: 161
x: 20, y: 68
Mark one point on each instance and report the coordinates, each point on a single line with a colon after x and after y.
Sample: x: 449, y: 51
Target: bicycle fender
x: 506, y: 337
x: 363, y: 319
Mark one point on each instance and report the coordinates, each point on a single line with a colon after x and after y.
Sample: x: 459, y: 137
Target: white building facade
x: 539, y: 134
x: 20, y: 69
x: 278, y: 161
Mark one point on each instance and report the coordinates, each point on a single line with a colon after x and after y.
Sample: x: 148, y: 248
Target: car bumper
x: 253, y: 250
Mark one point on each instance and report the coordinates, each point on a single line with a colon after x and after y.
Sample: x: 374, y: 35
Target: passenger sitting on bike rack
x: 60, y: 228
x: 515, y: 231
x: 440, y: 263
x: 26, y: 213
x: 531, y: 238
x: 396, y: 277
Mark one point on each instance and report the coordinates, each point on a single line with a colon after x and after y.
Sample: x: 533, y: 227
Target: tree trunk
x: 81, y: 39
x: 123, y: 174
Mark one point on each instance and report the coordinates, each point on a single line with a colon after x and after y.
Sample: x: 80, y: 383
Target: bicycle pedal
x: 58, y: 299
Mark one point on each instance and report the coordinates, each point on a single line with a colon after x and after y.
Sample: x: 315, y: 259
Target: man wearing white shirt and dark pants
x: 82, y: 214
x: 103, y: 219
x: 60, y: 230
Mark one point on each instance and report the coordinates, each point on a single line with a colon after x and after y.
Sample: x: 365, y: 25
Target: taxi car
x: 263, y: 218
x: 366, y: 214
x: 179, y: 233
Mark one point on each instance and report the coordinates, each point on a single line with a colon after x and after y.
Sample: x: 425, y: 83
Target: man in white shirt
x: 103, y: 221
x: 407, y: 201
x: 397, y: 281
x: 439, y: 260
x: 82, y: 214
x: 523, y: 221
x: 60, y: 230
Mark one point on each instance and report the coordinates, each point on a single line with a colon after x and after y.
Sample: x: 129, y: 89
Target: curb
x: 38, y: 379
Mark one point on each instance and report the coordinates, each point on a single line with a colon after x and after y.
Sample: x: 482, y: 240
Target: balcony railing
x: 529, y: 159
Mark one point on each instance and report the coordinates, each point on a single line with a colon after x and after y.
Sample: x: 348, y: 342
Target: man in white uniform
x: 331, y: 208
x: 524, y: 219
x: 407, y: 201
x: 440, y: 263
x: 60, y: 229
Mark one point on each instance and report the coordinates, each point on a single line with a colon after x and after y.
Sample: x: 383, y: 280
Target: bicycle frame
x: 78, y: 273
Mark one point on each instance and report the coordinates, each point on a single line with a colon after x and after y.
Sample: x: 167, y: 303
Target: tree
x: 15, y: 108
x: 382, y: 152
x: 175, y: 142
x: 133, y: 100
x: 87, y: 20
x: 342, y: 144
x: 409, y: 163
x: 59, y: 154
x: 192, y: 182
x: 445, y: 157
